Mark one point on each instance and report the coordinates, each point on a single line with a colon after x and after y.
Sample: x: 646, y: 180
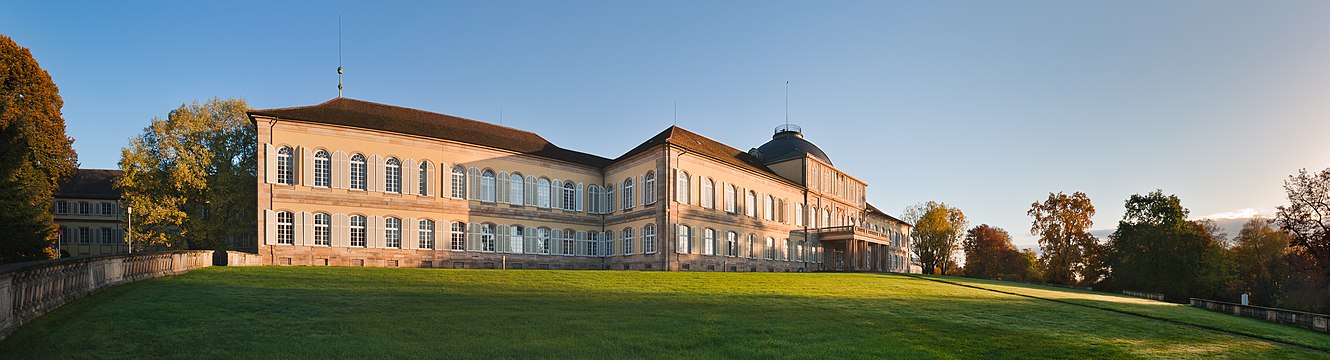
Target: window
x: 516, y: 195
x: 826, y: 217
x: 488, y: 185
x: 285, y: 166
x: 752, y: 238
x: 593, y: 199
x: 609, y: 199
x: 85, y: 208
x: 649, y: 239
x: 708, y: 193
x: 85, y: 235
x: 770, y: 252
x: 285, y: 228
x: 750, y: 204
x: 426, y: 234
x: 627, y: 193
x: 358, y: 230
x: 392, y: 233
x: 543, y: 193
x: 322, y: 229
x: 423, y: 186
x: 730, y: 192
x: 731, y: 244
x: 106, y: 235
x: 709, y: 241
x: 358, y: 172
x: 458, y: 236
x: 108, y: 209
x: 649, y: 188
x: 487, y: 240
x: 593, y: 238
x: 799, y: 215
x: 769, y: 209
x: 322, y: 169
x: 61, y: 207
x: 685, y: 243
x: 569, y: 196
x: 627, y: 236
x: 566, y: 242
x: 515, y: 243
x: 459, y: 182
x: 392, y: 175
x: 608, y: 249
x: 543, y: 240
x: 681, y: 187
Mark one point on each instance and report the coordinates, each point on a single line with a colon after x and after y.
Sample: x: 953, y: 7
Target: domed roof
x: 789, y: 143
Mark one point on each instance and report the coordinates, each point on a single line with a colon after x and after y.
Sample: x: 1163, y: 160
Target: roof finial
x: 339, y: 55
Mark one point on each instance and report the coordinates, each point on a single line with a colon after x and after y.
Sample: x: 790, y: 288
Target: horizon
x: 987, y: 107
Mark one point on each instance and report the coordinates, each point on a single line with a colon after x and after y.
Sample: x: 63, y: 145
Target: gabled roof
x: 370, y: 115
x: 91, y: 184
x: 699, y: 144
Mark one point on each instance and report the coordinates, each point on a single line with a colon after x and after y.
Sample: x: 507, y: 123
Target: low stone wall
x: 32, y: 289
x: 236, y: 258
x: 1151, y: 296
x: 1317, y: 322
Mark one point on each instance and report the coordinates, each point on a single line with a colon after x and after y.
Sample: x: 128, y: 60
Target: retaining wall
x: 1317, y: 322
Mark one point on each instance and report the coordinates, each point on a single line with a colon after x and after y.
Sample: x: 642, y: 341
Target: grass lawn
x: 319, y: 312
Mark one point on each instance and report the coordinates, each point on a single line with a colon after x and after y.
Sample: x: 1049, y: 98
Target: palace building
x: 87, y: 209
x: 356, y: 183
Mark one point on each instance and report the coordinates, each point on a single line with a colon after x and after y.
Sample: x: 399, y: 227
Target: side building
x: 87, y: 210
x: 356, y: 183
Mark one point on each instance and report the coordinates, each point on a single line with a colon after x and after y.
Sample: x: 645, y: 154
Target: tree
x: 35, y: 155
x: 190, y: 177
x: 1156, y: 249
x: 1070, y: 253
x: 1258, y: 257
x: 937, y: 230
x: 989, y: 254
x: 1308, y: 215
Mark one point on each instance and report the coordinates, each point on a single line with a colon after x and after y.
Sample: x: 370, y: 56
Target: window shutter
x: 501, y: 188
x: 410, y: 234
x: 473, y: 179
x: 270, y: 227
x: 306, y: 165
x: 699, y: 201
x: 473, y: 237
x: 375, y: 174
x: 269, y: 164
x: 375, y: 232
x: 410, y: 177
x: 556, y: 241
x: 530, y: 190
x: 579, y: 247
x: 579, y: 196
x: 339, y: 230
x: 305, y: 224
x: 504, y: 239
x: 431, y: 186
x: 556, y: 196
x: 641, y: 190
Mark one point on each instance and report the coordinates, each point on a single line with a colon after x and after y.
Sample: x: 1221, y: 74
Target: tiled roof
x: 91, y: 184
x: 699, y: 144
x: 364, y: 114
x: 873, y: 210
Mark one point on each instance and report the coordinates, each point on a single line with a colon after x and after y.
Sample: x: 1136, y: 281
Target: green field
x: 308, y: 312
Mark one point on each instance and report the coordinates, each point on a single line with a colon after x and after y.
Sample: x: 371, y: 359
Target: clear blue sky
x: 985, y: 105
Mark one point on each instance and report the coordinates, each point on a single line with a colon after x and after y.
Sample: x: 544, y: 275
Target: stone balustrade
x: 32, y: 289
x: 1142, y: 294
x: 1316, y: 322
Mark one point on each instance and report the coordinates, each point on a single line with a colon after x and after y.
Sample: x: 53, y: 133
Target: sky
x: 984, y: 105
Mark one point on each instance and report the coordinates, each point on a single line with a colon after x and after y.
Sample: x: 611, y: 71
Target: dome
x: 789, y: 143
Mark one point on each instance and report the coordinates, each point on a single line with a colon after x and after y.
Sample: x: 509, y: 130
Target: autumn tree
x: 937, y: 231
x: 1156, y: 249
x: 1307, y: 217
x: 35, y: 155
x: 1258, y: 255
x: 190, y: 176
x: 989, y: 254
x: 1070, y: 254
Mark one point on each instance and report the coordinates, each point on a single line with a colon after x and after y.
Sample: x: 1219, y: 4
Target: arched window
x: 286, y: 226
x: 457, y: 236
x: 392, y: 176
x: 590, y: 245
x: 593, y: 199
x: 358, y: 171
x: 608, y: 238
x: 543, y: 240
x: 424, y: 179
x: 516, y: 193
x: 685, y: 244
x: 358, y: 230
x: 285, y: 166
x: 771, y: 249
x: 681, y: 187
x: 730, y: 193
x: 769, y: 209
x: 425, y: 233
x: 752, y: 238
x: 750, y: 204
x: 649, y: 239
x: 322, y: 229
x: 459, y: 182
x: 731, y: 244
x: 826, y: 217
x: 627, y: 235
x: 392, y: 233
x: 649, y: 188
x: 627, y: 193
x: 569, y: 196
x: 609, y: 199
x: 543, y: 193
x: 515, y: 241
x: 487, y: 239
x: 709, y: 241
x: 322, y: 169
x: 708, y: 193
x: 487, y: 185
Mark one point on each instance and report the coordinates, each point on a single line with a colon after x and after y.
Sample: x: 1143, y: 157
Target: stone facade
x: 353, y: 183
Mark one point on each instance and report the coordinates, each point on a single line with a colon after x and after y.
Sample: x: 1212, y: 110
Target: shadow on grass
x: 423, y: 313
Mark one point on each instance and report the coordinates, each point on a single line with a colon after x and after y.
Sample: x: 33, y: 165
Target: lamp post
x: 129, y: 238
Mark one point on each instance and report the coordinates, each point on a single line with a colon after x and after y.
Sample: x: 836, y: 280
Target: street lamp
x: 129, y: 238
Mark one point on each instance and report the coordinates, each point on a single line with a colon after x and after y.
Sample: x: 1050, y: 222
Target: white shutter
x: 504, y: 240
x: 644, y: 190
x: 306, y: 166
x: 375, y: 176
x: 556, y: 194
x: 473, y: 178
x: 530, y: 190
x: 339, y: 230
x: 304, y: 224
x: 270, y: 227
x: 639, y: 189
x: 501, y: 188
x: 431, y: 186
x: 269, y: 164
x: 375, y: 232
x: 579, y: 195
x: 410, y: 237
x: 473, y: 237
x: 410, y: 177
x: 338, y: 167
